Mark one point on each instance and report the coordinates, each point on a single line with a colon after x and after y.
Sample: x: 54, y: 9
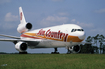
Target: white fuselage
x: 56, y: 36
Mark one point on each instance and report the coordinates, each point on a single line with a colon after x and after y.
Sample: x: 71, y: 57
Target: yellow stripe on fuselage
x: 69, y: 37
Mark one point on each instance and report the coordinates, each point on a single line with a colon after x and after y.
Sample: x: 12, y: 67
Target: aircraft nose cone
x: 82, y: 36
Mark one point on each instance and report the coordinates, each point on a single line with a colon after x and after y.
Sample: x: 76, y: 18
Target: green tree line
x: 97, y: 40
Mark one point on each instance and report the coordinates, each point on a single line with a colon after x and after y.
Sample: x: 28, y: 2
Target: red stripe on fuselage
x: 30, y: 36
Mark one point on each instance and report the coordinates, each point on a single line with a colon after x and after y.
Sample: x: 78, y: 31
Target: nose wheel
x: 55, y: 51
x: 68, y: 52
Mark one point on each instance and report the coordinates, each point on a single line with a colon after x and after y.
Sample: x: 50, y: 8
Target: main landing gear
x: 55, y: 52
x: 22, y: 52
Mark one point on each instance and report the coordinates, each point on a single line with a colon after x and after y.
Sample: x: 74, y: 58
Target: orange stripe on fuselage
x: 73, y: 39
x: 35, y: 36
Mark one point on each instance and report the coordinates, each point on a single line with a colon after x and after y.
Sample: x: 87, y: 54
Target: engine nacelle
x: 24, y: 27
x: 21, y: 46
x: 75, y: 49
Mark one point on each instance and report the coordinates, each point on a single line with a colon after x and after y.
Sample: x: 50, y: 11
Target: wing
x: 17, y: 39
x: 10, y: 36
x: 30, y: 42
x: 10, y: 40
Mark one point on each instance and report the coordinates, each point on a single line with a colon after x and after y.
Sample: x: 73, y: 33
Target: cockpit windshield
x: 73, y: 30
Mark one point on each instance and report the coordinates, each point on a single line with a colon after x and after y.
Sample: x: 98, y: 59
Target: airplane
x: 66, y: 35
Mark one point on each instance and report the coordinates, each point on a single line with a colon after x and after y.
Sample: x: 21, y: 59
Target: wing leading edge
x: 17, y: 39
x: 9, y: 36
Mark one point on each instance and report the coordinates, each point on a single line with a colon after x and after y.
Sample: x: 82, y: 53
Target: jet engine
x: 21, y: 46
x: 24, y: 27
x: 75, y: 49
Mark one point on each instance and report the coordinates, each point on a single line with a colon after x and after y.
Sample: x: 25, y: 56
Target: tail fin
x: 22, y: 18
x: 23, y: 26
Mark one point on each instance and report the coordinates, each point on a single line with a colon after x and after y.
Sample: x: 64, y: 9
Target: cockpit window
x: 73, y: 30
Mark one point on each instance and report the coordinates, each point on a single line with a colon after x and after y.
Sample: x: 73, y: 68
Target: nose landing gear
x: 68, y: 52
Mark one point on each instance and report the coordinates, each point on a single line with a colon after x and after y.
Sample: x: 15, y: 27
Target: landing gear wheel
x: 68, y: 52
x: 55, y: 52
x: 22, y: 52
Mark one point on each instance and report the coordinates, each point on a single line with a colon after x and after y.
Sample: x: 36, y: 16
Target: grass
x: 52, y: 61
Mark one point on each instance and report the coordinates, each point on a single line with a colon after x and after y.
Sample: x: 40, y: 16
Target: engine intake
x: 29, y: 26
x: 75, y: 49
x: 21, y: 46
x: 24, y: 27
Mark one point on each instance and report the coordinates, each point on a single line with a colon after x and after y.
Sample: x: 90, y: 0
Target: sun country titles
x: 51, y: 34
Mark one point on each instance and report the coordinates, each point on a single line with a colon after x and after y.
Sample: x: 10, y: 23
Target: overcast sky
x: 89, y: 14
